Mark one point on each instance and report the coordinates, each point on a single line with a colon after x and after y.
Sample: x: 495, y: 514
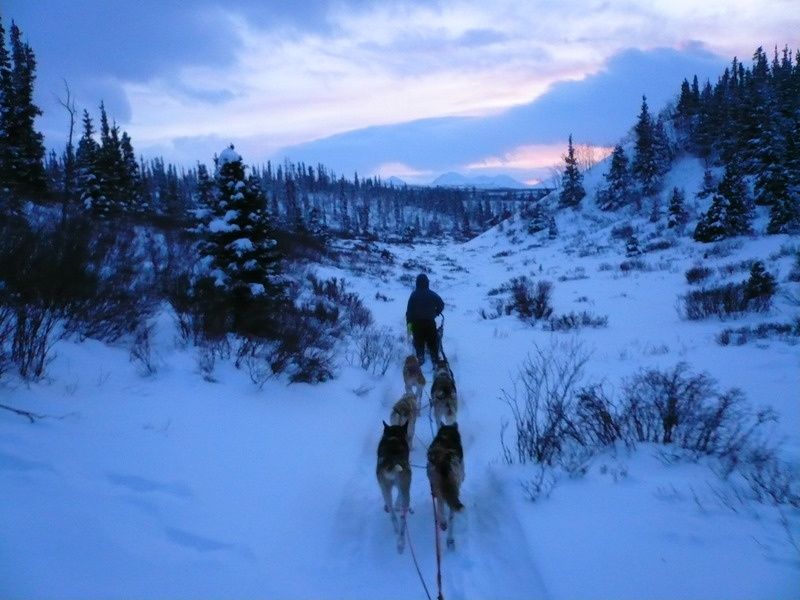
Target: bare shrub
x: 377, y: 350
x: 33, y: 339
x: 697, y: 274
x: 742, y: 335
x: 597, y: 416
x: 540, y: 485
x: 142, y: 351
x: 207, y: 360
x: 542, y: 401
x: 256, y: 357
x: 574, y: 321
x: 771, y: 480
x: 633, y: 264
x: 622, y: 232
x: 720, y: 301
x: 305, y: 350
x: 687, y: 410
x: 6, y: 335
x: 540, y: 303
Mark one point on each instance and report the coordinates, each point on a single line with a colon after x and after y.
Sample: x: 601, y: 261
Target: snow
x: 241, y: 246
x: 228, y: 155
x: 169, y: 486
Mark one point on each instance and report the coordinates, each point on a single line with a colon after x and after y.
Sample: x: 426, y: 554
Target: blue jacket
x: 423, y: 304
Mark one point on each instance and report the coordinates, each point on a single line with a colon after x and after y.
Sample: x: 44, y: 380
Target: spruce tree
x: 646, y: 168
x: 735, y: 190
x: 677, y: 209
x: 21, y: 146
x: 617, y: 191
x: 784, y: 214
x: 572, y: 191
x: 5, y: 107
x: 632, y: 247
x: 242, y: 249
x: 730, y: 213
x: 87, y: 181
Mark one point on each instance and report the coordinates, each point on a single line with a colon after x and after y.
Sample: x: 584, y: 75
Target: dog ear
x: 385, y: 426
x: 405, y: 426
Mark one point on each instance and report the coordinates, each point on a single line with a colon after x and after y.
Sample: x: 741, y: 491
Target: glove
x: 409, y: 328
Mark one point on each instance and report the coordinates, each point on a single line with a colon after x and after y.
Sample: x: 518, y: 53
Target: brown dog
x: 413, y: 377
x: 443, y: 394
x: 405, y: 411
x: 445, y: 473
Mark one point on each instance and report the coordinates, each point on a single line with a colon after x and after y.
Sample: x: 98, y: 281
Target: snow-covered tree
x: 678, y: 216
x: 730, y: 213
x: 87, y: 182
x: 242, y: 250
x: 617, y: 192
x: 648, y: 160
x: 572, y: 191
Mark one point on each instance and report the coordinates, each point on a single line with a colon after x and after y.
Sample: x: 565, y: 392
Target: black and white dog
x: 394, y: 471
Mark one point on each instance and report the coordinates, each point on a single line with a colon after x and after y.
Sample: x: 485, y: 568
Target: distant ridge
x: 452, y: 179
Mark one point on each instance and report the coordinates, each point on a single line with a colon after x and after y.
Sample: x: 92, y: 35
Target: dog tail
x: 450, y: 486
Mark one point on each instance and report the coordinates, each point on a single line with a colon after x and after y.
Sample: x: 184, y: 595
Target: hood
x: 422, y: 281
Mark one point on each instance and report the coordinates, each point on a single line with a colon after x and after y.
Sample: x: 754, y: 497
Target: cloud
x: 449, y: 81
x: 597, y: 110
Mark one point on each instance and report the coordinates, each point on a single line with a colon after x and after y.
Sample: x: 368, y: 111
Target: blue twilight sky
x: 392, y: 87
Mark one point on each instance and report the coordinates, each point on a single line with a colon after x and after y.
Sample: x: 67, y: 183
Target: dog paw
x: 443, y: 526
x: 385, y: 508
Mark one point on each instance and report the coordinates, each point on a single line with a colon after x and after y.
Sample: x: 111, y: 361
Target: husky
x: 445, y: 473
x: 394, y: 470
x: 443, y: 394
x: 413, y: 377
x: 406, y: 410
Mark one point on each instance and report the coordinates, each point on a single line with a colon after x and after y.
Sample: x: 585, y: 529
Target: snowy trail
x: 492, y: 557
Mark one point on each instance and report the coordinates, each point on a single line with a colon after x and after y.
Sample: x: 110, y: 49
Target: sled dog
x: 394, y: 471
x: 443, y: 394
x: 406, y: 410
x: 445, y: 473
x: 413, y: 377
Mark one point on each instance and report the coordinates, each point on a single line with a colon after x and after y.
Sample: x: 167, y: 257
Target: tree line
x: 747, y: 125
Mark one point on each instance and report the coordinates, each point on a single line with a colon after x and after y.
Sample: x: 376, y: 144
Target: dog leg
x: 388, y: 504
x: 442, y: 513
x: 401, y: 537
x: 451, y: 543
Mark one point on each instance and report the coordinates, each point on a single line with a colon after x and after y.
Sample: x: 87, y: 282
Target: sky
x: 392, y: 88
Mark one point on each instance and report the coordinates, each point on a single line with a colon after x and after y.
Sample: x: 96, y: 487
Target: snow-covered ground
x: 169, y: 486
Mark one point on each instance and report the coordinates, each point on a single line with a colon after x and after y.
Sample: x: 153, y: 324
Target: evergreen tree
x: 632, y: 247
x: 86, y: 156
x: 711, y: 225
x: 739, y: 211
x: 552, y: 228
x: 730, y: 212
x: 21, y: 146
x: 761, y: 285
x: 708, y: 186
x: 5, y: 107
x: 242, y: 249
x: 572, y: 191
x: 617, y: 191
x: 647, y: 165
x: 784, y: 214
x: 677, y: 209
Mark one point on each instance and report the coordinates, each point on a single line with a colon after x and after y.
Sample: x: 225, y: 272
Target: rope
x: 414, y: 558
x: 438, y: 548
